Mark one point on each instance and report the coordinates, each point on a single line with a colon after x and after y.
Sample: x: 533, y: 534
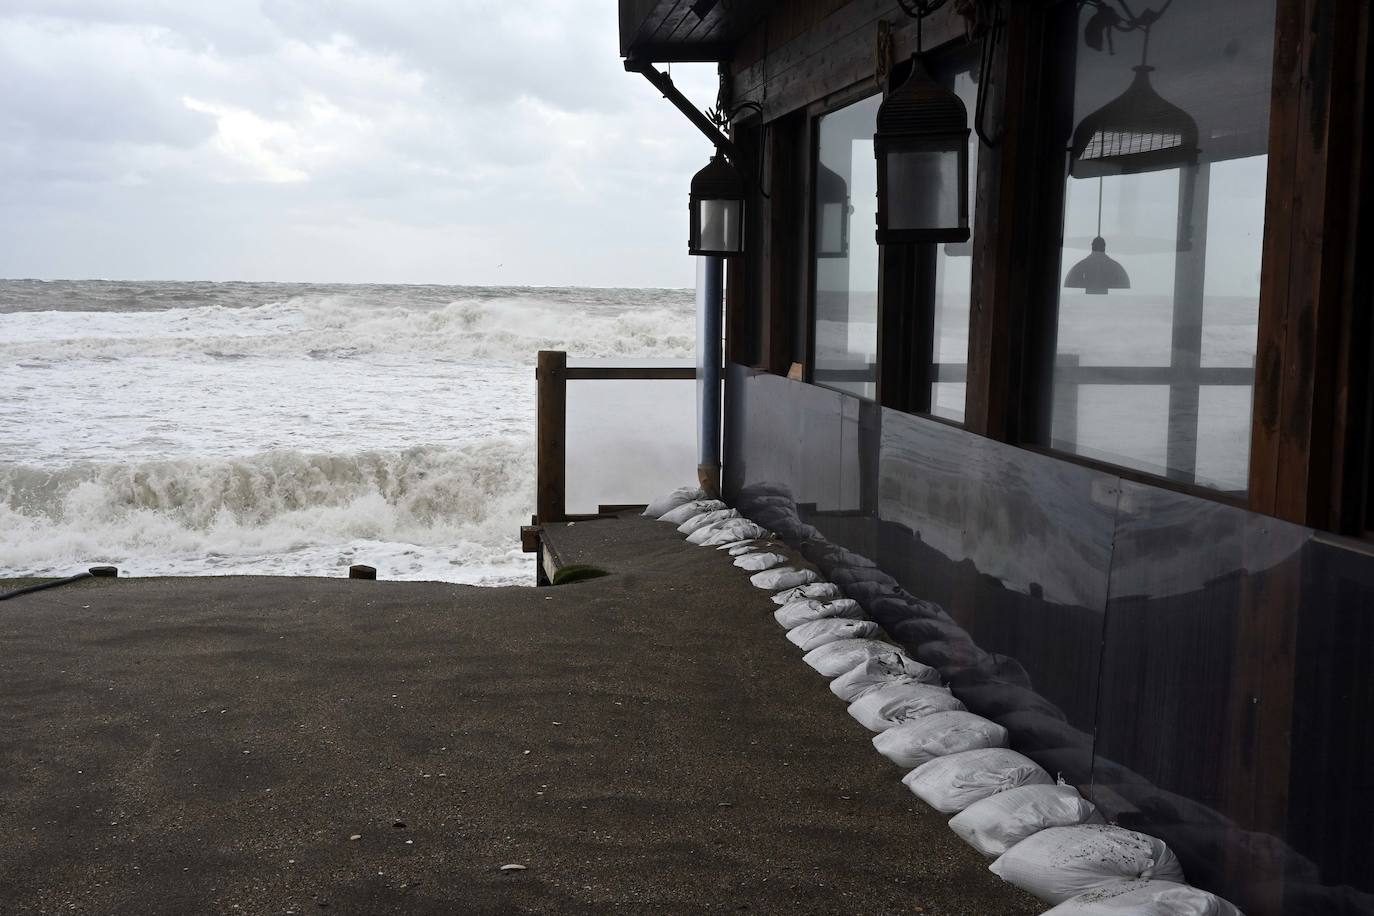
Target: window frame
x: 1041, y: 197
x: 912, y: 352
x: 842, y: 98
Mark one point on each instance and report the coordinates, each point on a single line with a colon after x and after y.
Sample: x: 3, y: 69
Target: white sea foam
x: 255, y: 428
x: 344, y: 326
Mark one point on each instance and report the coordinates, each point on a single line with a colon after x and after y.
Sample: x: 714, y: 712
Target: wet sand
x: 643, y: 742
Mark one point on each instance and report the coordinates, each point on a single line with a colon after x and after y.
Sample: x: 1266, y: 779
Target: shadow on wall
x: 998, y: 687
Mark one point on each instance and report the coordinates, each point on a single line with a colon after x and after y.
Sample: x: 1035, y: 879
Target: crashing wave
x: 414, y: 513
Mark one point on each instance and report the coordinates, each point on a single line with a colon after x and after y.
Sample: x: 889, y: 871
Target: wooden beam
x: 1314, y: 130
x: 782, y: 246
x: 632, y: 373
x: 1007, y: 184
x: 697, y: 52
x: 835, y: 53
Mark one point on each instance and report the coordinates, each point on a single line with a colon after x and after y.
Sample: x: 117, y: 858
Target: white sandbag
x: 835, y: 658
x: 757, y: 562
x: 999, y: 822
x: 898, y: 702
x: 1145, y: 898
x: 784, y: 577
x: 739, y: 548
x: 724, y: 532
x: 955, y: 781
x: 817, y: 633
x: 887, y: 668
x: 809, y: 609
x: 1062, y: 862
x: 706, y: 518
x: 937, y: 735
x: 665, y: 504
x: 823, y: 591
x: 685, y: 511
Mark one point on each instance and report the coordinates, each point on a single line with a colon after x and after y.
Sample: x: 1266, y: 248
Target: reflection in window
x: 953, y: 281
x: 846, y: 254
x: 1163, y: 218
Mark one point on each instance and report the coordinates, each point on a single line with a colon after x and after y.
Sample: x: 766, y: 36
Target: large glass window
x: 845, y: 252
x: 1162, y: 227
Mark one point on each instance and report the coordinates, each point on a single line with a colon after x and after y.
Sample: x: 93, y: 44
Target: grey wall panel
x: 1202, y: 672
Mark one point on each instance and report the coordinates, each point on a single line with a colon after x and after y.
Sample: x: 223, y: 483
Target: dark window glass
x: 845, y: 253
x: 953, y: 281
x: 1163, y: 220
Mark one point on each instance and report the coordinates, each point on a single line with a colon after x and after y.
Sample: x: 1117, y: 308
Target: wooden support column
x: 1001, y: 281
x: 1315, y: 128
x: 551, y: 457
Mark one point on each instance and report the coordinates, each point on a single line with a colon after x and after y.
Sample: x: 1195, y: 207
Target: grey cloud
x: 420, y: 141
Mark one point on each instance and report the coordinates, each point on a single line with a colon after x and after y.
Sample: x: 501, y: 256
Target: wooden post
x: 551, y: 458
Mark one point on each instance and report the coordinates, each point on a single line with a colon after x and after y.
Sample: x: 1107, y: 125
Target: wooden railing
x: 1185, y: 382
x: 552, y: 375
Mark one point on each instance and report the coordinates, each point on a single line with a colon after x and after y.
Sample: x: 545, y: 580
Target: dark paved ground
x: 645, y: 742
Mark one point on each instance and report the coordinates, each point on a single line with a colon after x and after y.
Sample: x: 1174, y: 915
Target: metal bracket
x: 664, y: 84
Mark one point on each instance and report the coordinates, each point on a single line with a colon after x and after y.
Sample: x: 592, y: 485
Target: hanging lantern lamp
x: 1138, y: 131
x: 922, y: 150
x: 716, y: 208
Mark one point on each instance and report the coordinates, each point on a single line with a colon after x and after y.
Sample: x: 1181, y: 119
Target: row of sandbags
x: 1044, y: 836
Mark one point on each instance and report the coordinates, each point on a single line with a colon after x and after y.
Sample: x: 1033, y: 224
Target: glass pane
x: 953, y: 281
x: 846, y: 290
x: 720, y: 225
x: 831, y: 219
x: 1092, y: 423
x: 628, y: 441
x: 924, y: 187
x: 1223, y: 420
x: 1230, y: 308
x: 1159, y: 269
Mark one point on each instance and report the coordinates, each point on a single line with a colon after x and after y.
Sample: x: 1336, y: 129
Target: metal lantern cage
x: 716, y: 208
x: 921, y: 146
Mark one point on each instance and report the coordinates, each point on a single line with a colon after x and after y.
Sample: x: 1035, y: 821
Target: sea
x: 291, y: 429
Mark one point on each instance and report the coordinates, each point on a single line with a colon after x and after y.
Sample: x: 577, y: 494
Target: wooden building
x: 1143, y: 497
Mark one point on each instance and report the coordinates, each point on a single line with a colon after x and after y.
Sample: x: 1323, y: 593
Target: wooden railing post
x: 552, y: 452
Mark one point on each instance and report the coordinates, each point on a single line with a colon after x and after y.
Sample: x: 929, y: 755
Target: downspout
x: 710, y: 282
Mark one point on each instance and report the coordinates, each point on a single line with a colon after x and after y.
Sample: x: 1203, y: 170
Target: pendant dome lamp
x: 1097, y: 273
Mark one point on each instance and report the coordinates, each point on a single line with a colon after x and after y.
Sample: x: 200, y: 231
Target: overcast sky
x: 439, y: 141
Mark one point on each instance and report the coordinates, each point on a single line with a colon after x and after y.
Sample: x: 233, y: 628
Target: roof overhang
x: 669, y: 31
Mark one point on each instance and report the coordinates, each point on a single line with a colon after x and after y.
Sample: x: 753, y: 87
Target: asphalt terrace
x: 645, y: 742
